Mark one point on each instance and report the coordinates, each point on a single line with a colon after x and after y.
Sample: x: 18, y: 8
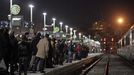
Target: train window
x: 123, y: 43
x: 128, y: 39
x: 133, y: 34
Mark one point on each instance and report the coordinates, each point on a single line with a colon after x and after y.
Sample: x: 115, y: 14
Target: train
x: 126, y: 45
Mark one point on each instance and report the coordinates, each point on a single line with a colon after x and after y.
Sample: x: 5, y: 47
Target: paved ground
x: 51, y: 69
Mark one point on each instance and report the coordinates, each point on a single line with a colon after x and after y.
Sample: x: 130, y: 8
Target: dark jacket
x: 14, y: 48
x: 24, y: 49
x: 34, y: 44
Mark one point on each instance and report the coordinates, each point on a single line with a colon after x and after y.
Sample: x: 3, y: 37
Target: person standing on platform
x: 42, y: 54
x: 14, y: 51
x: 61, y: 52
x: 53, y: 42
x: 2, y: 44
x: 70, y: 52
x: 78, y: 51
x: 49, y: 63
x: 33, y: 48
x: 24, y: 49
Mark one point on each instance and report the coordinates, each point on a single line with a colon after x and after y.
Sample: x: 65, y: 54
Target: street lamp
x: 31, y: 12
x: 80, y: 35
x: 61, y: 23
x: 84, y: 36
x: 66, y: 27
x: 74, y: 34
x: 54, y: 19
x: 44, y: 14
x: 71, y: 33
x: 11, y: 3
x: 89, y: 36
x: 120, y: 20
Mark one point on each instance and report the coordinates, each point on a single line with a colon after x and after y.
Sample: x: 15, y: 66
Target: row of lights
x: 53, y: 24
x: 54, y: 19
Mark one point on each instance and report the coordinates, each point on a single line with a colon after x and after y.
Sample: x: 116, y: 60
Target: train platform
x: 60, y: 69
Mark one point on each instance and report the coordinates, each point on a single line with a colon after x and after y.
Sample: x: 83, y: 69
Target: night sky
x: 75, y: 13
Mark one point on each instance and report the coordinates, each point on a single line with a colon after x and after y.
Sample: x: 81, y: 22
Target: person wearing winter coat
x: 78, y: 51
x: 61, y: 52
x: 7, y: 48
x: 14, y: 51
x: 23, y: 54
x: 2, y: 44
x: 33, y: 48
x: 42, y: 53
x: 70, y: 52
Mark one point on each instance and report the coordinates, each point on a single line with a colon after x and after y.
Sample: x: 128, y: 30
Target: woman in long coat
x: 43, y: 47
x: 42, y: 53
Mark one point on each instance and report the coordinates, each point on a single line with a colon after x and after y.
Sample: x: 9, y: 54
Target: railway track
x: 109, y: 65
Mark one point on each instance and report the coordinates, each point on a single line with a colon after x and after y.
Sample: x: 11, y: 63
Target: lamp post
x: 44, y: 15
x: 84, y: 37
x: 80, y: 35
x: 31, y: 13
x: 61, y: 23
x: 71, y: 33
x: 54, y: 19
x: 11, y: 3
x: 74, y: 31
x: 66, y: 27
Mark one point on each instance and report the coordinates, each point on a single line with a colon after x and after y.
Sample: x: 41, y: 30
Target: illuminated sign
x: 15, y: 9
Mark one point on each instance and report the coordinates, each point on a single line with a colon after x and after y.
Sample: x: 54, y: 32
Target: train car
x: 126, y: 45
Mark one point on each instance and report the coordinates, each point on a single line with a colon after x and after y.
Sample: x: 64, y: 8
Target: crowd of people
x: 22, y: 54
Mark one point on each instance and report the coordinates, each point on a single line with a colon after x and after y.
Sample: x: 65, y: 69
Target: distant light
x: 45, y: 28
x: 100, y: 49
x: 71, y: 28
x: 101, y: 39
x: 112, y: 39
x: 97, y: 42
x: 53, y: 19
x: 9, y: 15
x: 84, y: 36
x: 66, y: 26
x: 44, y: 13
x: 96, y: 23
x: 31, y: 6
x: 80, y: 34
x: 74, y: 30
x: 104, y: 39
x: 16, y: 19
x: 61, y: 23
x: 120, y: 20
